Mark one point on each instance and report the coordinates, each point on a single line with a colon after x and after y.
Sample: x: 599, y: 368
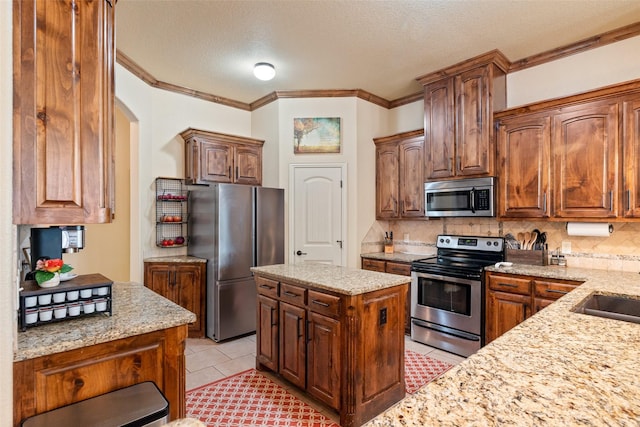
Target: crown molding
x: 600, y: 40
x: 494, y: 56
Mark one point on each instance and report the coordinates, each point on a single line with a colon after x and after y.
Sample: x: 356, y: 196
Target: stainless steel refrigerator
x: 234, y: 227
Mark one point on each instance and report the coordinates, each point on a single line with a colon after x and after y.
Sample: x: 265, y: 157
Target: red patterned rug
x: 420, y: 369
x: 251, y: 399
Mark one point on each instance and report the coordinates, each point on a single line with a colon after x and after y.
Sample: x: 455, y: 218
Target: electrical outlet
x: 383, y: 316
x: 566, y: 247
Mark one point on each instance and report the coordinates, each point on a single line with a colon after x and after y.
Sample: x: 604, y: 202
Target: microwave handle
x: 473, y: 200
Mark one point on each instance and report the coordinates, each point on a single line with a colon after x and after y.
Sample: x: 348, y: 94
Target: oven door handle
x: 445, y: 330
x: 445, y: 278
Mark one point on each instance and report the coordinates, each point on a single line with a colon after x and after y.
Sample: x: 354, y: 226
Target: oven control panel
x: 473, y: 243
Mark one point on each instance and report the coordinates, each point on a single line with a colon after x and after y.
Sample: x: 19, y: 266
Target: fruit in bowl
x: 179, y: 240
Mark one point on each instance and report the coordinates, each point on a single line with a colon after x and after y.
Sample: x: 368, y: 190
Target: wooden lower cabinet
x: 185, y: 284
x: 511, y: 299
x: 324, y: 359
x: 50, y: 382
x: 293, y: 355
x: 393, y: 267
x: 346, y: 351
x: 504, y: 311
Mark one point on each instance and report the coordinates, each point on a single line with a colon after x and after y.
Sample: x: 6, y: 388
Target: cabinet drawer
x: 372, y: 264
x: 553, y: 290
x: 511, y: 285
x: 328, y: 305
x: 267, y: 286
x: 398, y: 268
x: 293, y: 294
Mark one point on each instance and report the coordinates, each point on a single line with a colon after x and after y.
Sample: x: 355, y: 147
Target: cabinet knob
x: 299, y: 253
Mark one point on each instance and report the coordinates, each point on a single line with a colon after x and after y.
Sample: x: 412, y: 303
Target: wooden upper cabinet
x: 474, y: 118
x: 63, y: 157
x: 459, y: 103
x: 411, y: 177
x: 439, y: 102
x: 215, y: 162
x: 212, y: 157
x: 594, y: 157
x: 524, y: 166
x: 585, y: 154
x: 631, y: 138
x: 387, y: 181
x: 399, y: 175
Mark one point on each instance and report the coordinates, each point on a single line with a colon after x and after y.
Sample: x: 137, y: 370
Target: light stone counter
x: 343, y: 280
x: 136, y: 310
x: 175, y: 258
x: 396, y: 256
x: 558, y: 368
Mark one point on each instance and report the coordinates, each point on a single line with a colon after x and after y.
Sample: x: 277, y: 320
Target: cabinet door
x: 473, y: 146
x: 439, y: 110
x: 248, y: 162
x: 216, y: 162
x: 293, y: 355
x: 387, y: 185
x: 585, y: 155
x: 159, y: 277
x: 411, y: 178
x: 631, y: 158
x: 504, y: 311
x: 63, y: 112
x: 267, y: 332
x: 540, y: 303
x: 524, y: 167
x: 189, y: 292
x: 324, y: 366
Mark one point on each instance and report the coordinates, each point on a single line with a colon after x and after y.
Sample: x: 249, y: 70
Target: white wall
x: 595, y: 68
x: 8, y: 233
x: 264, y: 125
x: 345, y: 108
x: 161, y: 116
x: 405, y: 118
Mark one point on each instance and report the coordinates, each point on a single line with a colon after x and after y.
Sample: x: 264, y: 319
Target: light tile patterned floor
x: 208, y: 361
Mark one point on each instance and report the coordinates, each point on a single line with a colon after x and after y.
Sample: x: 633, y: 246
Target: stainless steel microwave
x: 460, y: 197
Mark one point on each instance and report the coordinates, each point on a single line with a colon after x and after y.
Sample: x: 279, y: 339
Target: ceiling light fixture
x: 264, y: 71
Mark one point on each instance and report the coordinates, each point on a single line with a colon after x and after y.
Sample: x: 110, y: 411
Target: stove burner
x: 462, y: 256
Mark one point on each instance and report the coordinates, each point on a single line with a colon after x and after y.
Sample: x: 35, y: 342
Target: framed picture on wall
x: 316, y: 135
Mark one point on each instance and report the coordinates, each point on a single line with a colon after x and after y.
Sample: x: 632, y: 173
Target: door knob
x: 300, y: 253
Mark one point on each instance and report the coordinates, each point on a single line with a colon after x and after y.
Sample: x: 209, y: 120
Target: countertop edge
x: 126, y: 321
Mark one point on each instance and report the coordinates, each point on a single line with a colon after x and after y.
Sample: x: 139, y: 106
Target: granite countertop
x: 396, y: 256
x: 556, y: 368
x: 136, y: 310
x: 175, y: 258
x: 343, y: 280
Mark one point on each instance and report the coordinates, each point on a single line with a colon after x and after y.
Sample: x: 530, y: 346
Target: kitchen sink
x: 620, y: 307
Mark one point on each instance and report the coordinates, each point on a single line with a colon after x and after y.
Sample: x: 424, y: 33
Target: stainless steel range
x: 447, y: 296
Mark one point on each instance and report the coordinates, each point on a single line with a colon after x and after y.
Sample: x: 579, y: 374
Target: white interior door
x: 317, y: 212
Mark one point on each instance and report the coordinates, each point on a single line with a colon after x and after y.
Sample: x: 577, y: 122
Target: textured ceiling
x: 377, y: 46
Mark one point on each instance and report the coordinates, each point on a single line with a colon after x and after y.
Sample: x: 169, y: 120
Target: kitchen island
x: 65, y: 362
x: 556, y: 368
x: 336, y: 333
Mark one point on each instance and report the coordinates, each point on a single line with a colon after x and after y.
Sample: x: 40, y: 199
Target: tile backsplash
x: 620, y: 251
